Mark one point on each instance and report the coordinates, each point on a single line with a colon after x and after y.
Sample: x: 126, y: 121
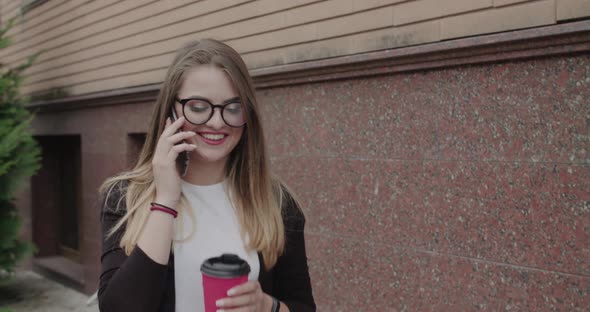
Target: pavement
x: 28, y: 291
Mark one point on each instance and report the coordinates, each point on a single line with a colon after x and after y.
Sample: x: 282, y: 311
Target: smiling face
x: 215, y: 140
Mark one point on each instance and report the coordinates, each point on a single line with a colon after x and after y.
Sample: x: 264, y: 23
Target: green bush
x: 19, y: 157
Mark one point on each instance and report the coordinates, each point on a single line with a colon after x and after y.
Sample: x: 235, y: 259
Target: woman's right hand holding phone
x: 166, y: 176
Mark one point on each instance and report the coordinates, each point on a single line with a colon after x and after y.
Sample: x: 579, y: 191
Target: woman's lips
x: 213, y: 138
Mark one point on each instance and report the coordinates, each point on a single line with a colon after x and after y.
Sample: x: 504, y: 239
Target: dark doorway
x: 56, y: 198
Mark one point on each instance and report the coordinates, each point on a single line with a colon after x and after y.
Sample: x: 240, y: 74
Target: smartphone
x: 173, y: 114
x: 183, y: 159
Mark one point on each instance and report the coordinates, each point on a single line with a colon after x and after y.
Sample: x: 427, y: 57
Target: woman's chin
x: 205, y: 157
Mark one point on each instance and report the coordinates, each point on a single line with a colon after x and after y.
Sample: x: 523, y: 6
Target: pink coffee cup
x: 220, y: 274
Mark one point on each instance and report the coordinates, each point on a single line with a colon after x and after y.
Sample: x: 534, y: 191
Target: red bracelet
x: 159, y: 207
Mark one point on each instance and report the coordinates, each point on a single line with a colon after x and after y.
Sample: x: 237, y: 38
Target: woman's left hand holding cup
x: 247, y: 297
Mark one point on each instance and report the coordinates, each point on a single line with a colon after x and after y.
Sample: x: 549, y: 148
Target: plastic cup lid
x: 225, y: 266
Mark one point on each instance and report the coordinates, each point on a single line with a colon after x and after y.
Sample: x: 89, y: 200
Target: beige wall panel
x: 277, y: 5
x: 359, y: 22
x: 357, y: 43
x: 248, y: 27
x: 46, y: 13
x: 85, y: 13
x: 311, y: 12
x: 107, y: 28
x: 569, y: 9
x: 37, y: 15
x: 264, y: 58
x: 415, y: 11
x: 8, y: 8
x: 358, y: 5
x: 59, y: 26
x: 9, y: 5
x: 317, y: 11
x: 104, y: 55
x: 103, y: 74
x: 300, y: 33
x: 148, y: 77
x: 44, y: 69
x: 411, y: 34
x: 499, y: 3
x: 47, y: 70
x: 525, y: 15
x: 149, y: 30
x: 154, y: 76
x: 89, y: 53
x: 296, y: 15
x: 368, y: 41
x: 142, y: 65
x: 310, y: 32
x: 387, y: 38
x: 15, y: 10
x: 306, y: 32
x: 119, y: 58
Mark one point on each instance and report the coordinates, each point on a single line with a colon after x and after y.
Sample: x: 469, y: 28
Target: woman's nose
x: 216, y: 121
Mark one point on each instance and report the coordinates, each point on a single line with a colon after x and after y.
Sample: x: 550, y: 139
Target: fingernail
x: 192, y: 133
x: 219, y: 304
x: 230, y: 292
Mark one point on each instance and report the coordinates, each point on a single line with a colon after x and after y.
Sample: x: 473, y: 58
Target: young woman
x: 200, y: 188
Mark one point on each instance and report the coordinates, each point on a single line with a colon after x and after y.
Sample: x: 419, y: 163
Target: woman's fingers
x: 177, y: 137
x: 171, y: 128
x: 179, y: 148
x: 169, y: 138
x: 245, y: 297
x: 163, y: 145
x: 238, y: 301
x: 244, y: 288
x: 241, y: 309
x: 249, y: 302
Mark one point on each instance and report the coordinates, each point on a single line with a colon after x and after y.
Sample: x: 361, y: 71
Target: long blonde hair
x: 255, y: 193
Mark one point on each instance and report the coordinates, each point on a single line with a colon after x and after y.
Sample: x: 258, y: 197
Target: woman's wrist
x: 166, y: 202
x: 165, y: 209
x: 267, y: 306
x: 283, y: 307
x: 272, y: 304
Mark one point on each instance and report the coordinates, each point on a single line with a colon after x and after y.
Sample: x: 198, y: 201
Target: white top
x: 217, y: 232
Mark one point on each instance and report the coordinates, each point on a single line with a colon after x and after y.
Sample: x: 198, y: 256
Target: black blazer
x: 137, y: 283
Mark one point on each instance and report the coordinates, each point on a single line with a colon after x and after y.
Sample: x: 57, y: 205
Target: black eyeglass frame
x: 221, y: 106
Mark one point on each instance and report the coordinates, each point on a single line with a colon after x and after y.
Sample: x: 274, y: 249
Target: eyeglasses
x: 198, y: 111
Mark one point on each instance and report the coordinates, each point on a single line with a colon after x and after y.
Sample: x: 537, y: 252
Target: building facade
x: 440, y: 148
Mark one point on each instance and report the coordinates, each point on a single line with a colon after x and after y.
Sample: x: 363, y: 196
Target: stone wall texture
x: 455, y: 189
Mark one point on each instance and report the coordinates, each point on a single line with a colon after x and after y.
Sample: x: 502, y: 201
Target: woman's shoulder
x: 293, y: 216
x: 113, y: 196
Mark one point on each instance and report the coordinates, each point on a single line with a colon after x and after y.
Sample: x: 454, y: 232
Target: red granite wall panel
x: 356, y: 275
x: 362, y: 118
x: 455, y: 189
x: 516, y: 213
x: 527, y: 111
